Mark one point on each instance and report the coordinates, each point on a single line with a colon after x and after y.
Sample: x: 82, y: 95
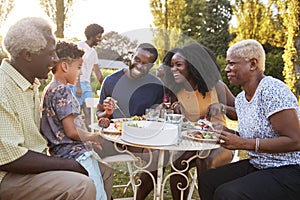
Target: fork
x: 117, y: 107
x: 122, y: 113
x: 208, y: 123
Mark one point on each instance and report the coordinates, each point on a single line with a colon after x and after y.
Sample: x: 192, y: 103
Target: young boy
x: 60, y: 107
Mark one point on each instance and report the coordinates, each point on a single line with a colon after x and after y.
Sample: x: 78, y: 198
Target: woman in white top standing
x: 268, y: 129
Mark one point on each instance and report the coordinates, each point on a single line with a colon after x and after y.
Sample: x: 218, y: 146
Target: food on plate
x: 196, y: 134
x: 204, y: 124
x: 138, y: 118
x: 187, y: 125
x: 118, y: 122
x: 201, y: 134
x: 118, y: 125
x: 104, y: 122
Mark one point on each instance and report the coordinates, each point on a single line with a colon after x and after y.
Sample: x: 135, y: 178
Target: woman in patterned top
x: 269, y: 130
x: 60, y: 106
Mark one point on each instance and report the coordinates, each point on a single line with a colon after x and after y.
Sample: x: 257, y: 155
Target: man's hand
x: 109, y: 105
x: 34, y: 162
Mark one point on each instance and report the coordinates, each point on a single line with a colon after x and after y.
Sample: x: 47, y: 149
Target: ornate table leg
x: 160, y: 166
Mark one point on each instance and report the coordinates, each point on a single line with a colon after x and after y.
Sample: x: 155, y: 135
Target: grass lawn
x: 122, y: 176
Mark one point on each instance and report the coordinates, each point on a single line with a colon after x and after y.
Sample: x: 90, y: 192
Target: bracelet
x: 174, y: 104
x: 257, y: 140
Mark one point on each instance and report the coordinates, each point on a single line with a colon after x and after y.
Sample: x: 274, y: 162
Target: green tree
x: 217, y: 17
x: 291, y: 14
x: 275, y: 22
x: 178, y: 25
x: 5, y: 8
x: 210, y: 27
x: 167, y: 20
x: 256, y: 20
x: 116, y: 47
x: 59, y: 12
x: 297, y: 64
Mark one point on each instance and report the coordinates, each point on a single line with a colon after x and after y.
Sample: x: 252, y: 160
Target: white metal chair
x: 92, y: 104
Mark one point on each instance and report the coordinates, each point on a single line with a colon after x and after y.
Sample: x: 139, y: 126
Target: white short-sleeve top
x: 271, y: 96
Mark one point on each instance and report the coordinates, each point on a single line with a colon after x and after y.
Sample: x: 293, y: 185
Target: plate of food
x: 117, y: 123
x: 121, y: 119
x: 112, y: 129
x: 201, y: 135
x: 138, y: 118
x: 188, y: 125
x: 133, y: 118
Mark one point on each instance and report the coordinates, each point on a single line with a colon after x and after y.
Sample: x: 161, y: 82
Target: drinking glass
x: 164, y: 112
x: 152, y: 114
x: 177, y: 120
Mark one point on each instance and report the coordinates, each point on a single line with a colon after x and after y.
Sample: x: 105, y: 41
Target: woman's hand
x: 218, y: 108
x: 229, y: 140
x: 220, y: 127
x: 176, y: 106
x: 214, y: 110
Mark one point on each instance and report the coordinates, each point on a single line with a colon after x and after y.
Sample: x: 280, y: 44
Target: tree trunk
x: 60, y: 18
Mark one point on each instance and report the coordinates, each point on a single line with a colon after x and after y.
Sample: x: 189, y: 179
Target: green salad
x: 209, y: 135
x: 135, y: 125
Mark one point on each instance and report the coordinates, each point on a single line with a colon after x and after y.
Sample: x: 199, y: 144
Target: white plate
x: 111, y: 129
x: 121, y: 119
x: 190, y: 136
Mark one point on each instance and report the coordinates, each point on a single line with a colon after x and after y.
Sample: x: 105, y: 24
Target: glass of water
x: 152, y: 114
x: 177, y: 120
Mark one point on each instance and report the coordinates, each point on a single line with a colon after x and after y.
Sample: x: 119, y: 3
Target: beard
x: 94, y: 43
x: 135, y: 73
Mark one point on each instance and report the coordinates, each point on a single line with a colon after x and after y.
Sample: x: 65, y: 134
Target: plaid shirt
x: 19, y: 116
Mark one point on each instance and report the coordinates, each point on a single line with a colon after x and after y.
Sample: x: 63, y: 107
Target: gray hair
x: 249, y: 49
x: 28, y: 33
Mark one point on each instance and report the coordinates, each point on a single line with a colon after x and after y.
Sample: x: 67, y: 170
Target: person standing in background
x: 83, y: 89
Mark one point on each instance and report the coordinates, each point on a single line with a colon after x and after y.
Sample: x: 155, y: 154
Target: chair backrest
x: 92, y: 104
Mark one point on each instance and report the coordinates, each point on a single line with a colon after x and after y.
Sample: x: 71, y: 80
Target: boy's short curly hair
x: 67, y: 52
